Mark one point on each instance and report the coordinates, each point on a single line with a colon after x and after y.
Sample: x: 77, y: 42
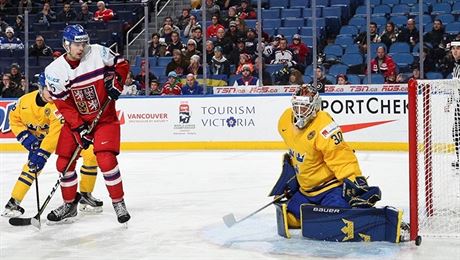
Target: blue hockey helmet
x: 41, y: 80
x: 74, y: 33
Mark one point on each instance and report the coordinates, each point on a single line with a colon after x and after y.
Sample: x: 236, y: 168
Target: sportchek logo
x: 359, y: 126
x: 5, y: 128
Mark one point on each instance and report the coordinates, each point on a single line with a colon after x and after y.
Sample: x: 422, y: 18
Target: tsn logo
x: 326, y: 210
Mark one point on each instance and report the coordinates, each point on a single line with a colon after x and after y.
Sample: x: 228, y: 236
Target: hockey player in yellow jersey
x: 36, y: 123
x: 318, y: 155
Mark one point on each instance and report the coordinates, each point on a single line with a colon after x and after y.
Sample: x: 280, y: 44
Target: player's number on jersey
x: 337, y: 137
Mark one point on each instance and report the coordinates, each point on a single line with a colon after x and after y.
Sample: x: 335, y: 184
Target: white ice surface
x: 177, y: 200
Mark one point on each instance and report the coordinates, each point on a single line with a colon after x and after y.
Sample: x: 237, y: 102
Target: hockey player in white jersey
x: 80, y: 81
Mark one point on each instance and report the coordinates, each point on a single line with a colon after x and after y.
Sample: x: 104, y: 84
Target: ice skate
x: 121, y: 211
x: 456, y: 165
x: 405, y: 232
x: 65, y: 213
x: 90, y: 204
x: 12, y: 209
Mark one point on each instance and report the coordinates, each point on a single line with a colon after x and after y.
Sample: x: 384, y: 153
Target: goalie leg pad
x: 282, y: 220
x: 356, y: 224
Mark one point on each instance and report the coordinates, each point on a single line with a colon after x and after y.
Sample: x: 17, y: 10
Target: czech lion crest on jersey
x: 86, y: 99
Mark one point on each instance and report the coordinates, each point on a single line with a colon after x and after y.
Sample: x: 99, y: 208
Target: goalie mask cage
x: 434, y: 183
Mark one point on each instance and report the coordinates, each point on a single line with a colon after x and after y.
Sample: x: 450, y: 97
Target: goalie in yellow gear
x: 36, y: 122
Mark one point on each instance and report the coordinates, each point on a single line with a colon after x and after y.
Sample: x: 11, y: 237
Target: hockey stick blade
x: 20, y: 221
x: 229, y: 220
x: 36, y: 222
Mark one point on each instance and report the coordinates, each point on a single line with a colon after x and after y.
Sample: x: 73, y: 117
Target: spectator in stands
x: 401, y: 78
x: 270, y: 48
x: 231, y: 17
x: 198, y: 37
x: 245, y: 62
x: 39, y: 48
x: 103, y: 14
x: 166, y: 33
x: 19, y: 24
x: 9, y: 88
x: 168, y: 21
x: 266, y: 77
x: 131, y: 86
x: 283, y: 55
x: 265, y: 36
x: 195, y: 65
x: 46, y: 16
x: 245, y: 11
x: 157, y: 48
x: 15, y: 73
x: 192, y: 22
x: 415, y: 73
x: 390, y: 35
x: 383, y: 64
x: 321, y: 79
x: 429, y: 62
x: 230, y: 3
x: 67, y: 14
x: 212, y: 9
x: 183, y: 19
x: 241, y: 26
x: 361, y: 39
x: 5, y: 7
x: 191, y: 49
x: 209, y: 51
x: 173, y: 86
x: 85, y: 15
x: 223, y: 42
x: 246, y: 77
x: 409, y: 34
x: 155, y: 88
x: 178, y: 64
x: 3, y: 25
x: 175, y: 44
x: 438, y: 38
x: 213, y: 27
x: 232, y: 33
x: 219, y: 64
x: 299, y: 49
x: 295, y: 77
x: 342, y: 79
x: 25, y: 5
x: 24, y: 84
x: 235, y: 54
x: 251, y: 41
x: 140, y: 78
x: 191, y: 86
x: 10, y: 42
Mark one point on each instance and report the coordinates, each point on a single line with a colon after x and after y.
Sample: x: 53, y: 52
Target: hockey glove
x: 359, y: 194
x: 111, y: 78
x: 37, y: 160
x: 287, y: 182
x: 82, y: 136
x: 28, y: 140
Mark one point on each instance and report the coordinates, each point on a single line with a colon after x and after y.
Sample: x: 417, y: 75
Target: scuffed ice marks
x: 259, y: 234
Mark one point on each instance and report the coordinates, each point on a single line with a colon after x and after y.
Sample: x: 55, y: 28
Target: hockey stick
x: 230, y: 220
x: 38, y: 224
x: 35, y: 221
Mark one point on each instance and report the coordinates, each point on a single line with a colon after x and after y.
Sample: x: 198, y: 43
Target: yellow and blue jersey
x: 320, y: 156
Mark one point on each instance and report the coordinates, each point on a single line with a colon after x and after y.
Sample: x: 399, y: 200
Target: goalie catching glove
x: 359, y: 194
x: 287, y: 182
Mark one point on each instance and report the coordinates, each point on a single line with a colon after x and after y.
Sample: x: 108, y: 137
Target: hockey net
x: 434, y: 180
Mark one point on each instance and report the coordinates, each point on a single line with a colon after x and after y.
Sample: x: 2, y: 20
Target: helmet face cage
x: 305, y: 103
x: 74, y: 33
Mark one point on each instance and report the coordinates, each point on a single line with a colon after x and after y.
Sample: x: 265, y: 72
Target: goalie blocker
x: 344, y: 225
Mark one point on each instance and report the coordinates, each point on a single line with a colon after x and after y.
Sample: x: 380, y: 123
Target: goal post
x: 434, y: 183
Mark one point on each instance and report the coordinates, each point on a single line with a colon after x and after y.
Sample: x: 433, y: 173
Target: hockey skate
x: 90, y: 204
x: 65, y: 213
x: 405, y: 232
x: 12, y: 209
x: 121, y: 211
x: 456, y: 165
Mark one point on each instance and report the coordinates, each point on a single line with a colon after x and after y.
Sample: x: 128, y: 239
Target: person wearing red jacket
x: 299, y: 49
x: 173, y: 86
x: 103, y: 14
x: 212, y: 29
x: 80, y: 82
x: 383, y: 64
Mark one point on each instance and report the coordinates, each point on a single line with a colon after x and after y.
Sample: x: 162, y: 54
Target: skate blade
x: 11, y: 213
x: 87, y: 209
x: 64, y: 221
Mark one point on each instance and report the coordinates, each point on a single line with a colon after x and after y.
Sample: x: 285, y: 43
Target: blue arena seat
x: 288, y: 31
x: 376, y: 79
x: 358, y: 21
x: 337, y: 69
x: 307, y: 12
x: 390, y: 2
x: 415, y: 9
x: 293, y: 22
x: 322, y: 2
x: 352, y: 48
x: 456, y: 8
x: 273, y: 67
x: 298, y: 3
x: 354, y: 79
x: 361, y: 11
x: 158, y: 71
x: 382, y: 9
x: 453, y: 28
x: 434, y: 75
x: 399, y: 47
x: 271, y: 13
x: 409, y: 2
x: 349, y: 29
x: 401, y: 9
x: 446, y: 18
x: 332, y: 11
x: 272, y: 23
x: 333, y: 49
x: 344, y: 40
x: 291, y: 13
x: 163, y: 61
x: 403, y: 60
x: 441, y: 8
x: 352, y: 59
x: 278, y: 3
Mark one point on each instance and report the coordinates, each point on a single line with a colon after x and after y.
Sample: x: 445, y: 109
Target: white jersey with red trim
x: 80, y: 92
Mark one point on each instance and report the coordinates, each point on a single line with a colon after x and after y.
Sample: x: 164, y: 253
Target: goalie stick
x: 35, y: 221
